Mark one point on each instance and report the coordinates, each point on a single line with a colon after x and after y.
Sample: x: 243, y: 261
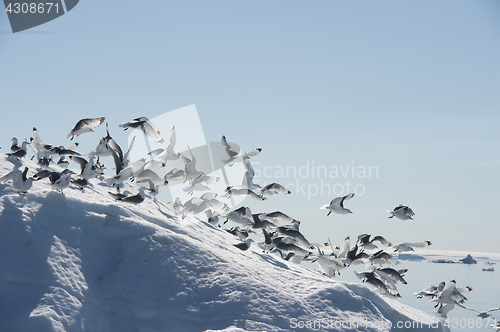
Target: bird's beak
x: 351, y: 212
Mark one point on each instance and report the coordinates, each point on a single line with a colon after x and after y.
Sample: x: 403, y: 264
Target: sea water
x: 421, y: 274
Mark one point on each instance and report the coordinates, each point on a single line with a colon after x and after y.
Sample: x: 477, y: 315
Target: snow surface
x: 83, y: 262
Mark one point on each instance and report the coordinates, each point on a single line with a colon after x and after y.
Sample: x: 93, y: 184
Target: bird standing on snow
x: 85, y: 126
x: 136, y: 199
x: 15, y: 145
x: 337, y: 205
x: 403, y: 212
x: 20, y: 182
x: 147, y: 127
x: 19, y: 153
x: 58, y: 181
x: 244, y: 245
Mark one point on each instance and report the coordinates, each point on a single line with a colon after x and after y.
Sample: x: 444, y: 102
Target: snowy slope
x: 83, y: 262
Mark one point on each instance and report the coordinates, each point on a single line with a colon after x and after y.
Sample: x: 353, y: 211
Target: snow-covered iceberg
x: 83, y: 262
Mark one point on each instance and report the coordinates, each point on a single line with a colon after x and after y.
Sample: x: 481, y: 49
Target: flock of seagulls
x: 447, y: 295
x: 278, y: 233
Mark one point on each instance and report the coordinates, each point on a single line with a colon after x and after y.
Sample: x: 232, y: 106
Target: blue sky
x: 408, y: 87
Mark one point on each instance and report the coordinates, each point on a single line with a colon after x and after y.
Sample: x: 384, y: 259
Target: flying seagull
x: 450, y: 294
x: 235, y: 156
x: 168, y: 153
x: 482, y: 314
x: 147, y: 127
x: 85, y: 126
x: 243, y: 192
x: 247, y: 182
x: 274, y: 189
x: 365, y: 242
x: 403, y: 212
x: 337, y: 205
x: 404, y: 247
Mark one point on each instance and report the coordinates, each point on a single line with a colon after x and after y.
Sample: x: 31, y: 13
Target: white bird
x: 242, y: 216
x: 262, y: 223
x: 63, y: 162
x: 205, y: 202
x: 381, y: 257
x: 149, y: 174
x: 430, y: 291
x: 274, y: 189
x: 118, y: 196
x: 445, y: 309
x: 482, y: 314
x: 247, y: 181
x: 176, y: 204
x: 58, y: 180
x: 365, y: 242
x: 375, y: 280
x: 344, y: 249
x: 125, y: 173
x: 190, y: 170
x: 135, y: 199
x: 449, y: 295
x: 212, y: 217
x: 407, y: 246
x: 244, y: 245
x: 395, y: 275
x: 243, y: 192
x: 337, y: 205
x: 290, y: 247
x: 274, y: 216
x: 175, y: 174
x: 153, y: 189
x: 403, y: 212
x: 85, y: 126
x: 20, y: 182
x: 389, y: 278
x: 40, y: 149
x: 147, y: 127
x: 235, y: 156
x: 15, y: 145
x: 63, y: 181
x: 328, y: 264
x: 168, y: 153
x: 19, y: 153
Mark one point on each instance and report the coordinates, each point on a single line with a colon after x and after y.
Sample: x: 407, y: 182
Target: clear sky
x: 410, y: 88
